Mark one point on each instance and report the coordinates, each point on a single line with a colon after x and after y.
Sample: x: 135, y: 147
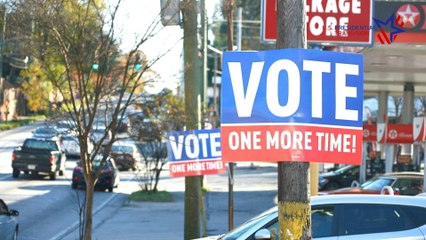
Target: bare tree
x: 154, y: 155
x: 398, y: 101
x: 161, y: 113
x: 76, y: 44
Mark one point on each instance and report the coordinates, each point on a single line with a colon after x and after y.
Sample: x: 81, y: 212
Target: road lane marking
x: 73, y: 226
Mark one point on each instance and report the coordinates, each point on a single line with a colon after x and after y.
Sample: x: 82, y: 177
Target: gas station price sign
x: 292, y: 105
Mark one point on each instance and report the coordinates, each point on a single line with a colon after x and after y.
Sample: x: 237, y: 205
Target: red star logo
x: 409, y: 15
x: 393, y: 134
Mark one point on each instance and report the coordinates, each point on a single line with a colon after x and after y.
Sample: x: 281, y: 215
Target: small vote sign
x: 292, y: 105
x: 194, y: 153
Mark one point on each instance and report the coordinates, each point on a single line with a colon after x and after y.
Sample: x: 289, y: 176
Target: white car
x: 9, y: 225
x: 71, y: 146
x: 347, y: 217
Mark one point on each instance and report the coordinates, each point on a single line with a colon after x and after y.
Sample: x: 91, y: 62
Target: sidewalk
x: 254, y: 191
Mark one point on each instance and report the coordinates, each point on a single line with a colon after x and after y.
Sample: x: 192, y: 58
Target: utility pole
x: 294, y: 210
x: 204, y: 27
x: 230, y: 11
x: 192, y: 107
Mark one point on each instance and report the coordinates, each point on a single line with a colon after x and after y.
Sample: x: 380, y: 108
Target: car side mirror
x: 262, y: 234
x: 13, y: 212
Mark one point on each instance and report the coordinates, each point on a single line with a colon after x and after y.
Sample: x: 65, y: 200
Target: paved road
x: 49, y: 209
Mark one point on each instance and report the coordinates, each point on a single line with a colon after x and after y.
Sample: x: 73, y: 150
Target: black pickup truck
x: 39, y: 156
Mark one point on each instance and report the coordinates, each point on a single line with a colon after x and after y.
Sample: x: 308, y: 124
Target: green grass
x: 20, y: 122
x: 148, y: 196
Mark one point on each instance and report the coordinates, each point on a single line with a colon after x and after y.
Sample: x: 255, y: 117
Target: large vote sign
x: 194, y: 153
x: 292, y: 105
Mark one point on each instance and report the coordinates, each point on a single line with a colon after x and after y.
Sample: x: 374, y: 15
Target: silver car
x: 8, y: 223
x: 348, y: 217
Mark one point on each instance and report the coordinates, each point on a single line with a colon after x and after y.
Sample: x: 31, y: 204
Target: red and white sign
x: 395, y: 133
x: 419, y: 129
x: 329, y: 22
x: 369, y: 133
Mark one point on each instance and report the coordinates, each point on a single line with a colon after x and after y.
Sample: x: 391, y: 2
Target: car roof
x: 368, y: 199
x: 403, y: 174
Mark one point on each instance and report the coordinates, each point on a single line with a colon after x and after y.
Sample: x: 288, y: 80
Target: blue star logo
x: 394, y: 26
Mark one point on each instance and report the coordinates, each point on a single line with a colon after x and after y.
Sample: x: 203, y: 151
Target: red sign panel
x: 395, y: 133
x: 369, y: 133
x: 329, y: 22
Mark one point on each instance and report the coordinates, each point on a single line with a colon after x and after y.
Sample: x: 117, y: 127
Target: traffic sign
x: 292, y: 105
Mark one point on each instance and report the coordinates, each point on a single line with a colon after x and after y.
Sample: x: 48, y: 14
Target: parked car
x: 124, y: 155
x: 401, y: 183
x: 9, y: 225
x: 339, y: 178
x: 108, y: 179
x: 347, y: 217
x: 46, y: 132
x: 39, y: 156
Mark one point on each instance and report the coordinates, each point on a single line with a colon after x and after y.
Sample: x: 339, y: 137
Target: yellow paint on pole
x: 314, y: 172
x: 295, y: 216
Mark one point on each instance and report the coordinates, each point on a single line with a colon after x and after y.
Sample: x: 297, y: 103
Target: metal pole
x: 230, y: 165
x: 204, y: 27
x: 239, y: 28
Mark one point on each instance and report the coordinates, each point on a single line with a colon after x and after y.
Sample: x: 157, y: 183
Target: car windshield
x: 120, y: 148
x: 343, y: 169
x: 70, y: 139
x: 243, y: 228
x: 45, y: 145
x: 378, y: 184
x: 97, y: 162
x: 45, y: 131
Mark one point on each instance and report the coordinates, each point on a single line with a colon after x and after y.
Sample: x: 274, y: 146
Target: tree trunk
x: 293, y: 177
x: 88, y: 214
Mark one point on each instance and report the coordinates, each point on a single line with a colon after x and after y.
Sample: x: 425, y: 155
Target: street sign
x: 194, y: 153
x: 328, y: 22
x: 292, y: 105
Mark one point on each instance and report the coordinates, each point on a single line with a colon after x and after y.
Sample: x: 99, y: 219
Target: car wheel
x: 52, y: 175
x: 73, y: 185
x: 15, y: 173
x: 331, y: 186
x: 61, y: 173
